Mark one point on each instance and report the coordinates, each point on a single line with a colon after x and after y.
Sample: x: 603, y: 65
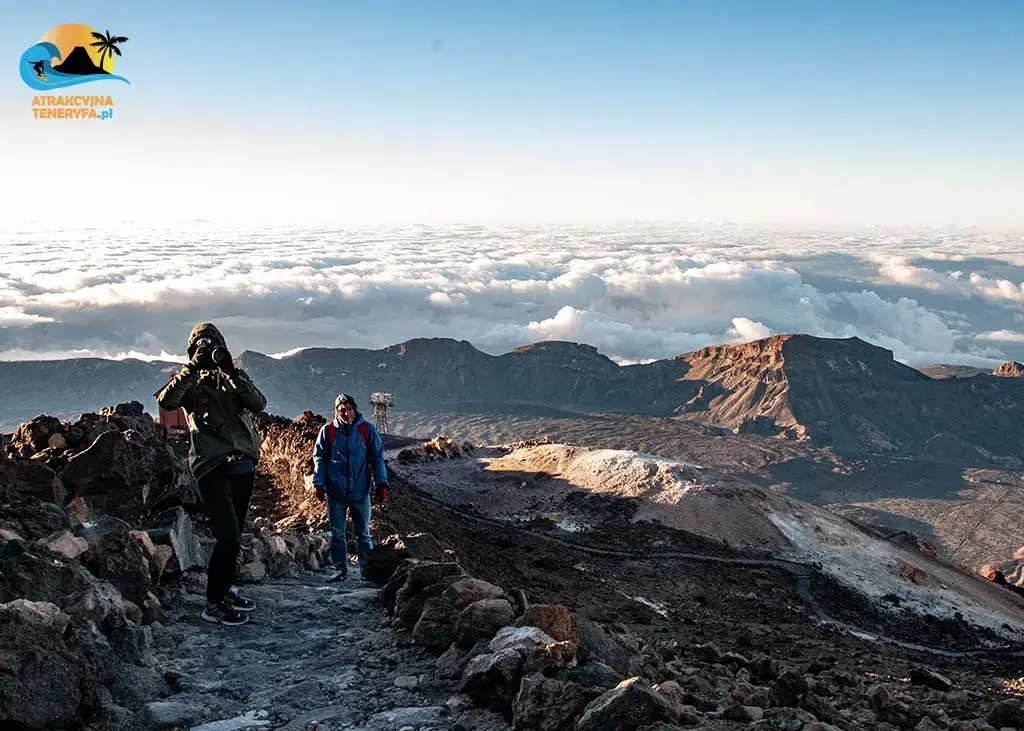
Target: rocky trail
x: 315, y: 655
x: 571, y: 617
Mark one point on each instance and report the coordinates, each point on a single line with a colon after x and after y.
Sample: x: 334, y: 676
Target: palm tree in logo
x: 107, y: 45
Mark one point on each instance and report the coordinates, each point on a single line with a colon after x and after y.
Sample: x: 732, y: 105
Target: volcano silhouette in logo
x: 78, y: 62
x: 84, y: 55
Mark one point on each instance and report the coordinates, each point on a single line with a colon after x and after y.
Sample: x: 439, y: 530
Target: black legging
x: 226, y: 494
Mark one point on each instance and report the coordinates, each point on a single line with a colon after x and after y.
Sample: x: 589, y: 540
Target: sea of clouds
x: 636, y: 292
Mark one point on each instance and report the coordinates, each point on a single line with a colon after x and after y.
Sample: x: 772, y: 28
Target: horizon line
x: 173, y: 359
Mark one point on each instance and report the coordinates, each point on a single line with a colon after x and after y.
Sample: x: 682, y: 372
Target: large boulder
x: 119, y: 462
x: 34, y: 436
x: 173, y: 528
x: 492, y: 680
x: 592, y: 675
x: 435, y: 628
x: 387, y: 555
x: 553, y: 619
x: 630, y: 704
x: 38, y: 575
x: 44, y: 681
x: 481, y: 620
x: 413, y: 594
x: 34, y: 520
x: 25, y: 479
x: 527, y: 638
x: 598, y: 645
x: 114, y: 554
x: 467, y: 590
x: 1008, y: 713
x: 548, y: 704
x: 103, y: 475
x: 85, y: 431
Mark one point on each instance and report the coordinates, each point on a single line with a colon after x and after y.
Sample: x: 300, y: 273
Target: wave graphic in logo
x: 89, y: 58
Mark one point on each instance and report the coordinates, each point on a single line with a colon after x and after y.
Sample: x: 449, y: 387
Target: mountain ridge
x: 845, y: 393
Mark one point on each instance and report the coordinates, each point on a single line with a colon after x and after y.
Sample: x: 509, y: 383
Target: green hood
x: 204, y: 330
x: 218, y: 407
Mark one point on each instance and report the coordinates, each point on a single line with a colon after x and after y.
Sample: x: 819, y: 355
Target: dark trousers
x: 226, y: 492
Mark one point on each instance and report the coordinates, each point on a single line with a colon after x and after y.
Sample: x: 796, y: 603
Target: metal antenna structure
x: 381, y: 402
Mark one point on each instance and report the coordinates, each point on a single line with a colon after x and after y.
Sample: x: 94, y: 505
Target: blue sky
x: 385, y: 111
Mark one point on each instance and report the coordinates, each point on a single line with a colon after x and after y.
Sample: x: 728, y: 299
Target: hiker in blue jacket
x: 347, y: 454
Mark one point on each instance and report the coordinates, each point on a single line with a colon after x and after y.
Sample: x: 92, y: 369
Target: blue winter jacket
x: 345, y: 472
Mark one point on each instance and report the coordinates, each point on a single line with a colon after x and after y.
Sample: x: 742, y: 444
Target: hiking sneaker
x: 337, y: 576
x: 238, y: 602
x: 223, y: 614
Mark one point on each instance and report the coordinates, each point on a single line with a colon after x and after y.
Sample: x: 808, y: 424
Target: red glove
x: 382, y: 492
x: 321, y: 495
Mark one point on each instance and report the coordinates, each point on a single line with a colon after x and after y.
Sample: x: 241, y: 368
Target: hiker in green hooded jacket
x: 219, y: 401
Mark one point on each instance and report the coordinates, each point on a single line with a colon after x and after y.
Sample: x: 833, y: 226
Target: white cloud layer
x: 635, y: 292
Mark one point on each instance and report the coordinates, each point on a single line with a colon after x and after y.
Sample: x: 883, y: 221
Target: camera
x: 218, y: 356
x: 221, y: 358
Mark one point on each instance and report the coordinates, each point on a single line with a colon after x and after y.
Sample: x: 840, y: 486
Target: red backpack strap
x: 364, y: 432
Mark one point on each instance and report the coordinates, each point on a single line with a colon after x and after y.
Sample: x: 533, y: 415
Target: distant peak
x: 1010, y: 369
x: 800, y: 343
x: 443, y: 345
x: 556, y: 346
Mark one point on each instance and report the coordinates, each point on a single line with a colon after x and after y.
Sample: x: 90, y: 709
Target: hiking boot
x: 238, y: 602
x: 223, y: 614
x: 337, y: 576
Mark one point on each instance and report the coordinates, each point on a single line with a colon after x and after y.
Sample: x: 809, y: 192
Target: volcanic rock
x: 435, y: 628
x: 555, y: 620
x: 47, y: 679
x: 174, y: 528
x: 34, y: 436
x: 630, y: 704
x: 547, y: 704
x: 481, y: 620
x: 465, y: 591
x: 492, y: 681
x: 22, y: 479
x: 114, y: 554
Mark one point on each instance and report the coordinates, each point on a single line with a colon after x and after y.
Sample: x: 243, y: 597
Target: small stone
x: 931, y: 679
x: 167, y: 714
x: 66, y: 544
x: 407, y: 682
x: 733, y: 658
x: 417, y: 717
x: 708, y: 653
x: 458, y: 703
x: 743, y: 714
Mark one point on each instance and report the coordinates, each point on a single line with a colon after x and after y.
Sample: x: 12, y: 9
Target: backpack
x: 364, y: 432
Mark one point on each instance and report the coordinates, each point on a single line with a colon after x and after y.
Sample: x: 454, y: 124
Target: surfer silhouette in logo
x: 40, y: 68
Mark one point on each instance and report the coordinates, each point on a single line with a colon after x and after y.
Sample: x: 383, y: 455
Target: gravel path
x: 315, y: 656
